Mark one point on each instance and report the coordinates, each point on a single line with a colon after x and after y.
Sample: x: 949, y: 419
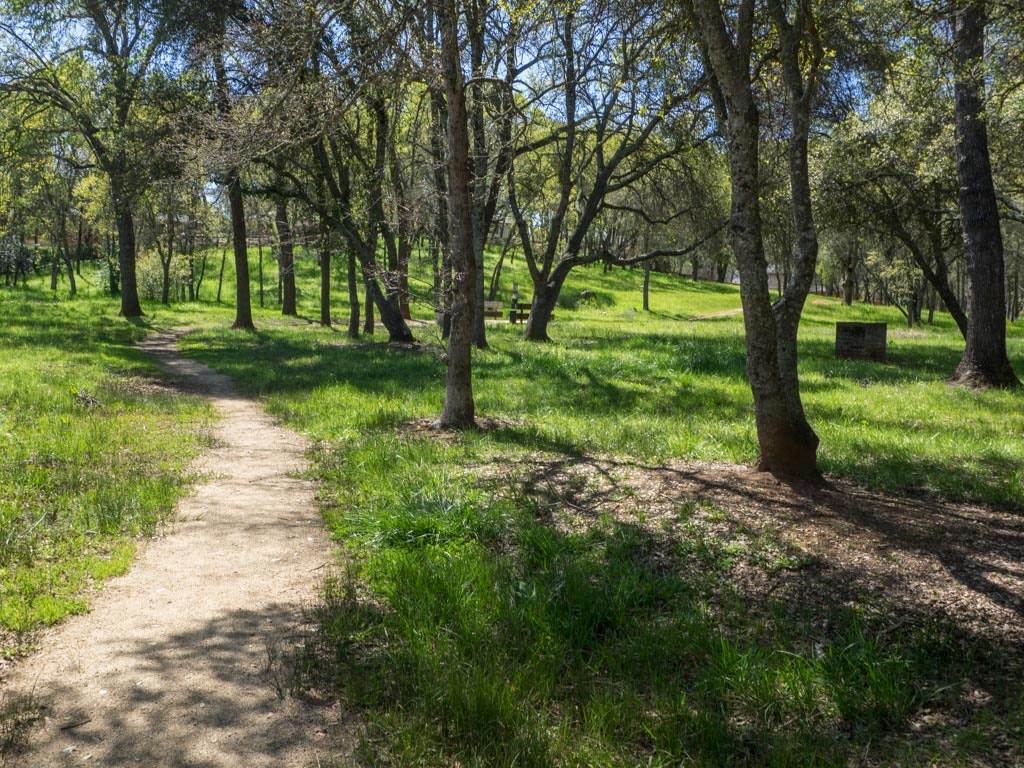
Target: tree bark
x: 325, y: 277
x: 368, y: 323
x: 984, y: 363
x: 240, y: 246
x: 353, y: 296
x: 130, y: 306
x: 459, y: 409
x: 286, y: 257
x: 787, y: 444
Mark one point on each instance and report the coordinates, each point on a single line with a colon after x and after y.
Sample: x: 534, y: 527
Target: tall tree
x: 458, y: 411
x: 96, y: 61
x: 888, y: 171
x: 728, y: 40
x: 601, y: 109
x: 984, y: 362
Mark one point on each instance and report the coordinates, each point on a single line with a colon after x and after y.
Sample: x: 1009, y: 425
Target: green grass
x: 93, y: 453
x: 476, y: 626
x: 474, y: 629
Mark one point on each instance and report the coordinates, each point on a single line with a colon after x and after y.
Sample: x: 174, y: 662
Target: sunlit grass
x: 472, y: 629
x: 93, y: 452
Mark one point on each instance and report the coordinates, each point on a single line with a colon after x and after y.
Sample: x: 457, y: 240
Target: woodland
x: 343, y: 203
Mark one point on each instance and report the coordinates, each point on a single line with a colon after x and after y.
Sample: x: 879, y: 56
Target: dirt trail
x: 170, y: 667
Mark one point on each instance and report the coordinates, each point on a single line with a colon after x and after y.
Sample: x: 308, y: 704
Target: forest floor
x: 176, y: 664
x: 815, y: 545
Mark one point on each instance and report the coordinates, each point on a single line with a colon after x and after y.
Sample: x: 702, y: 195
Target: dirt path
x: 170, y: 667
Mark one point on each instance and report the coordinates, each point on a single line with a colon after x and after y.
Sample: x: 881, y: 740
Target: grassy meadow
x: 467, y: 624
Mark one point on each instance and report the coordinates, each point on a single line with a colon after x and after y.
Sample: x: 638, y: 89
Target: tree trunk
x: 54, y: 270
x: 69, y: 264
x: 78, y: 248
x: 130, y: 306
x: 787, y: 444
x: 325, y: 278
x: 243, y: 301
x: 479, y: 327
x: 368, y: 322
x: 165, y: 280
x: 353, y: 296
x: 442, y: 252
x: 113, y: 270
x: 542, y: 305
x: 404, y: 257
x: 647, y: 286
x: 459, y: 410
x: 850, y: 274
x: 165, y: 262
x: 478, y: 178
x: 220, y: 275
x: 259, y: 265
x: 286, y: 257
x: 984, y: 363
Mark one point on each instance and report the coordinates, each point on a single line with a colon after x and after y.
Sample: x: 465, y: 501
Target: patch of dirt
x: 820, y: 545
x: 716, y: 315
x: 139, y: 386
x: 428, y: 429
x: 399, y: 346
x: 172, y: 667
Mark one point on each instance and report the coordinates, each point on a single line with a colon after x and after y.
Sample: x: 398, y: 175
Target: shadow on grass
x: 586, y: 635
x: 43, y: 322
x: 266, y: 362
x: 696, y: 380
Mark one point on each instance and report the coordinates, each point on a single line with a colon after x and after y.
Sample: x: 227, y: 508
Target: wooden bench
x: 519, y: 311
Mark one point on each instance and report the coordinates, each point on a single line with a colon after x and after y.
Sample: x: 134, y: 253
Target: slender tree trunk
x: 54, y: 270
x: 984, y: 363
x: 165, y: 261
x: 259, y: 262
x: 479, y: 164
x: 69, y: 265
x: 243, y: 299
x: 325, y: 277
x: 479, y: 327
x: 78, y: 248
x: 165, y: 276
x: 459, y: 410
x: 353, y: 296
x: 191, y: 272
x: 286, y: 257
x: 442, y: 252
x: 404, y: 257
x: 369, y: 323
x: 647, y: 286
x: 220, y: 275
